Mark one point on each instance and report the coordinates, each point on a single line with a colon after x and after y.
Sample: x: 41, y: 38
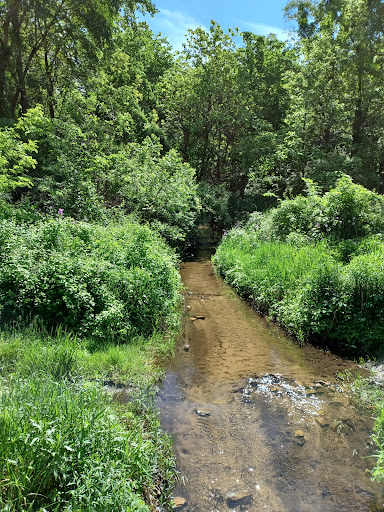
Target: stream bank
x: 258, y: 422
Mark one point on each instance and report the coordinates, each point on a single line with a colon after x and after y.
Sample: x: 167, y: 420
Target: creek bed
x: 258, y: 422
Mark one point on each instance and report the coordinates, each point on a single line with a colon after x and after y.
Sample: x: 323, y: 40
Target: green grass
x: 26, y: 352
x: 309, y: 289
x: 368, y: 393
x: 67, y: 446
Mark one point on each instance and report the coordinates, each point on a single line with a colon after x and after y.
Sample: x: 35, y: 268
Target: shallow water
x: 258, y: 422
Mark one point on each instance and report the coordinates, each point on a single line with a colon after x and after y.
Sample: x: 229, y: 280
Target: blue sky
x: 259, y: 16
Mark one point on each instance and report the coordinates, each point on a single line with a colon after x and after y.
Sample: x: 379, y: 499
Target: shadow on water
x: 259, y: 423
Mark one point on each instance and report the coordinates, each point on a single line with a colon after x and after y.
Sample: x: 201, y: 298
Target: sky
x: 261, y: 17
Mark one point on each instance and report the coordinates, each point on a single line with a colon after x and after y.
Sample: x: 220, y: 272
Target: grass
x: 309, y: 289
x: 65, y: 444
x: 371, y: 395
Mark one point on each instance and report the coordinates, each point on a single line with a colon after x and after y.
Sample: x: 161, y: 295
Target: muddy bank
x: 258, y: 422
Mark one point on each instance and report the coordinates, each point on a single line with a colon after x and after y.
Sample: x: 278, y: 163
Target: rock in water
x: 237, y: 499
x: 202, y: 414
x: 179, y: 502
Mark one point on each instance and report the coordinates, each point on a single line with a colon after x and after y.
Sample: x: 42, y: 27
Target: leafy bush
x: 158, y: 188
x: 110, y: 282
x: 16, y: 153
x: 348, y: 211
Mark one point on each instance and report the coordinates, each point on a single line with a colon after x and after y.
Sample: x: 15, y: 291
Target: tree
x: 220, y: 101
x: 336, y: 108
x: 51, y: 32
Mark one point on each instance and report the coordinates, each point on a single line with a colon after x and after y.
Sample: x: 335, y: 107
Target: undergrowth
x: 84, y: 305
x: 109, y: 282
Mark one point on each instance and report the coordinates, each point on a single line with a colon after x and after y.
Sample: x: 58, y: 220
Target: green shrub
x: 110, y: 282
x: 159, y: 188
x: 347, y: 212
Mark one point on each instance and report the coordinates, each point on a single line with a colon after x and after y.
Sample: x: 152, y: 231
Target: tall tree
x: 337, y: 97
x: 51, y: 31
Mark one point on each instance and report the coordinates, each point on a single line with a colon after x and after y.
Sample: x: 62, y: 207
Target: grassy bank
x: 82, y: 305
x: 316, y: 265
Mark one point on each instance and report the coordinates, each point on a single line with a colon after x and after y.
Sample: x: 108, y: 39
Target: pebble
x: 322, y: 422
x: 239, y: 498
x: 299, y: 434
x: 179, y: 502
x: 202, y: 414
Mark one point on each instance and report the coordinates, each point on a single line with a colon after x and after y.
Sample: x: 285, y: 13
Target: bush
x: 159, y: 188
x: 347, y: 212
x: 110, y: 282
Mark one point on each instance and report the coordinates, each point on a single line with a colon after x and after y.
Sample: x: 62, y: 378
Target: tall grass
x: 64, y: 446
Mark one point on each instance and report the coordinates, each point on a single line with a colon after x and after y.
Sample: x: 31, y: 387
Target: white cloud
x: 263, y: 30
x: 174, y: 25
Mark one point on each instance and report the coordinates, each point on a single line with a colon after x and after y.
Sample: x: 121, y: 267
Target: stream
x: 259, y: 423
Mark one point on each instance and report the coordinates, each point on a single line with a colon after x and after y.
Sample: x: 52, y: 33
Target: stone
x: 186, y: 348
x: 202, y: 414
x: 299, y: 434
x: 239, y: 498
x: 179, y: 502
x: 322, y: 422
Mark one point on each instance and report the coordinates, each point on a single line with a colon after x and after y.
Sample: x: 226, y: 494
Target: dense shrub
x: 159, y: 188
x: 348, y: 211
x: 109, y: 282
x: 331, y: 292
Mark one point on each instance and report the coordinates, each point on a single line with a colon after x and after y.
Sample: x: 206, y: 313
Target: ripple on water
x: 294, y: 395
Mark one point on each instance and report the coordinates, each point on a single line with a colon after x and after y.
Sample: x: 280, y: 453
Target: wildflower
x: 60, y: 212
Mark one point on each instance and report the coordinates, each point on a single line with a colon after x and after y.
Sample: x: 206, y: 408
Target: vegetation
x: 315, y: 264
x: 112, y: 149
x: 369, y: 392
x: 109, y: 283
x: 66, y: 444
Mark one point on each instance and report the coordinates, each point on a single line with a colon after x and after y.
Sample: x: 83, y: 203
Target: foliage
x: 110, y: 282
x: 329, y: 290
x: 160, y: 189
x: 66, y: 446
x: 214, y: 102
x: 16, y: 154
x: 368, y: 391
x: 348, y: 211
x: 43, y: 44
